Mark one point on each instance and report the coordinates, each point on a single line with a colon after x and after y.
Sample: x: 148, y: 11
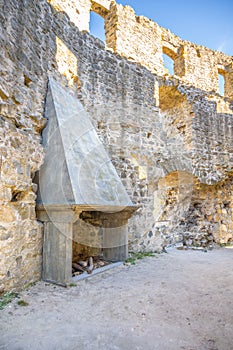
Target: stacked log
x: 88, y: 265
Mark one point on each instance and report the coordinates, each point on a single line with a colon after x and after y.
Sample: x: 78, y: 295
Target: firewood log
x: 78, y: 267
x: 90, y: 266
x: 83, y: 263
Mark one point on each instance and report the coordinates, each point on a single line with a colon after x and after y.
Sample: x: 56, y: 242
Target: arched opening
x: 97, y: 26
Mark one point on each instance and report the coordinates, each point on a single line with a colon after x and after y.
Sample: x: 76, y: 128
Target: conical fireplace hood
x: 77, y: 169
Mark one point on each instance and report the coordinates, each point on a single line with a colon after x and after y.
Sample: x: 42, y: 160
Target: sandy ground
x: 180, y: 300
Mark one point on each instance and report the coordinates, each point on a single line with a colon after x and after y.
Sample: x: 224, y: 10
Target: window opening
x: 221, y: 84
x: 168, y: 64
x: 97, y: 26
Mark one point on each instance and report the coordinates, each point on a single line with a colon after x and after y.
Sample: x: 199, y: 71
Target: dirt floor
x: 180, y: 300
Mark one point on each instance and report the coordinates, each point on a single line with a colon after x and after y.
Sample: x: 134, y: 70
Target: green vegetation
x: 137, y: 256
x: 228, y: 244
x: 22, y: 303
x: 29, y: 285
x: 72, y: 285
x: 7, y: 298
x: 131, y: 261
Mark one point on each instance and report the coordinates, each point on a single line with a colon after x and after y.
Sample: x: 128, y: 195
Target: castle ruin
x: 170, y: 137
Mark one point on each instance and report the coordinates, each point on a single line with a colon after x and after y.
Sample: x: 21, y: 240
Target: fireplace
x: 81, y: 200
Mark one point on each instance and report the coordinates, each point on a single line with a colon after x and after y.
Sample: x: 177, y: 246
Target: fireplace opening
x: 89, y: 249
x: 88, y: 265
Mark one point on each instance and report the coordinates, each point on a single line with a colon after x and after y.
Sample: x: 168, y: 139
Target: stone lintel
x: 70, y: 212
x: 101, y: 7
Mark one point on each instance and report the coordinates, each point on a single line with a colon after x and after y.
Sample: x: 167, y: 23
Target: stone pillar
x: 115, y: 234
x: 57, y: 245
x: 115, y: 243
x: 229, y: 81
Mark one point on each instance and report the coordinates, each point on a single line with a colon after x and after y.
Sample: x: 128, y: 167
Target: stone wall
x: 159, y: 130
x: 209, y: 218
x: 21, y: 236
x: 192, y: 203
x: 140, y: 39
x: 144, y: 41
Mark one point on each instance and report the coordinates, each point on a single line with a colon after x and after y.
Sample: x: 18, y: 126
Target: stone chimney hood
x: 77, y: 169
x: 77, y: 176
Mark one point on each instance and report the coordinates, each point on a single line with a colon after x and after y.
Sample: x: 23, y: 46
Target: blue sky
x: 208, y: 23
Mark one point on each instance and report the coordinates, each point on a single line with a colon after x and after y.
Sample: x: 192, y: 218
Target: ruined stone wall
x: 195, y: 118
x: 209, y: 218
x: 197, y: 65
x: 135, y: 37
x: 21, y: 236
x: 140, y: 39
x: 21, y: 112
x: 158, y: 130
x: 40, y: 41
x: 143, y: 41
x: 78, y: 11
